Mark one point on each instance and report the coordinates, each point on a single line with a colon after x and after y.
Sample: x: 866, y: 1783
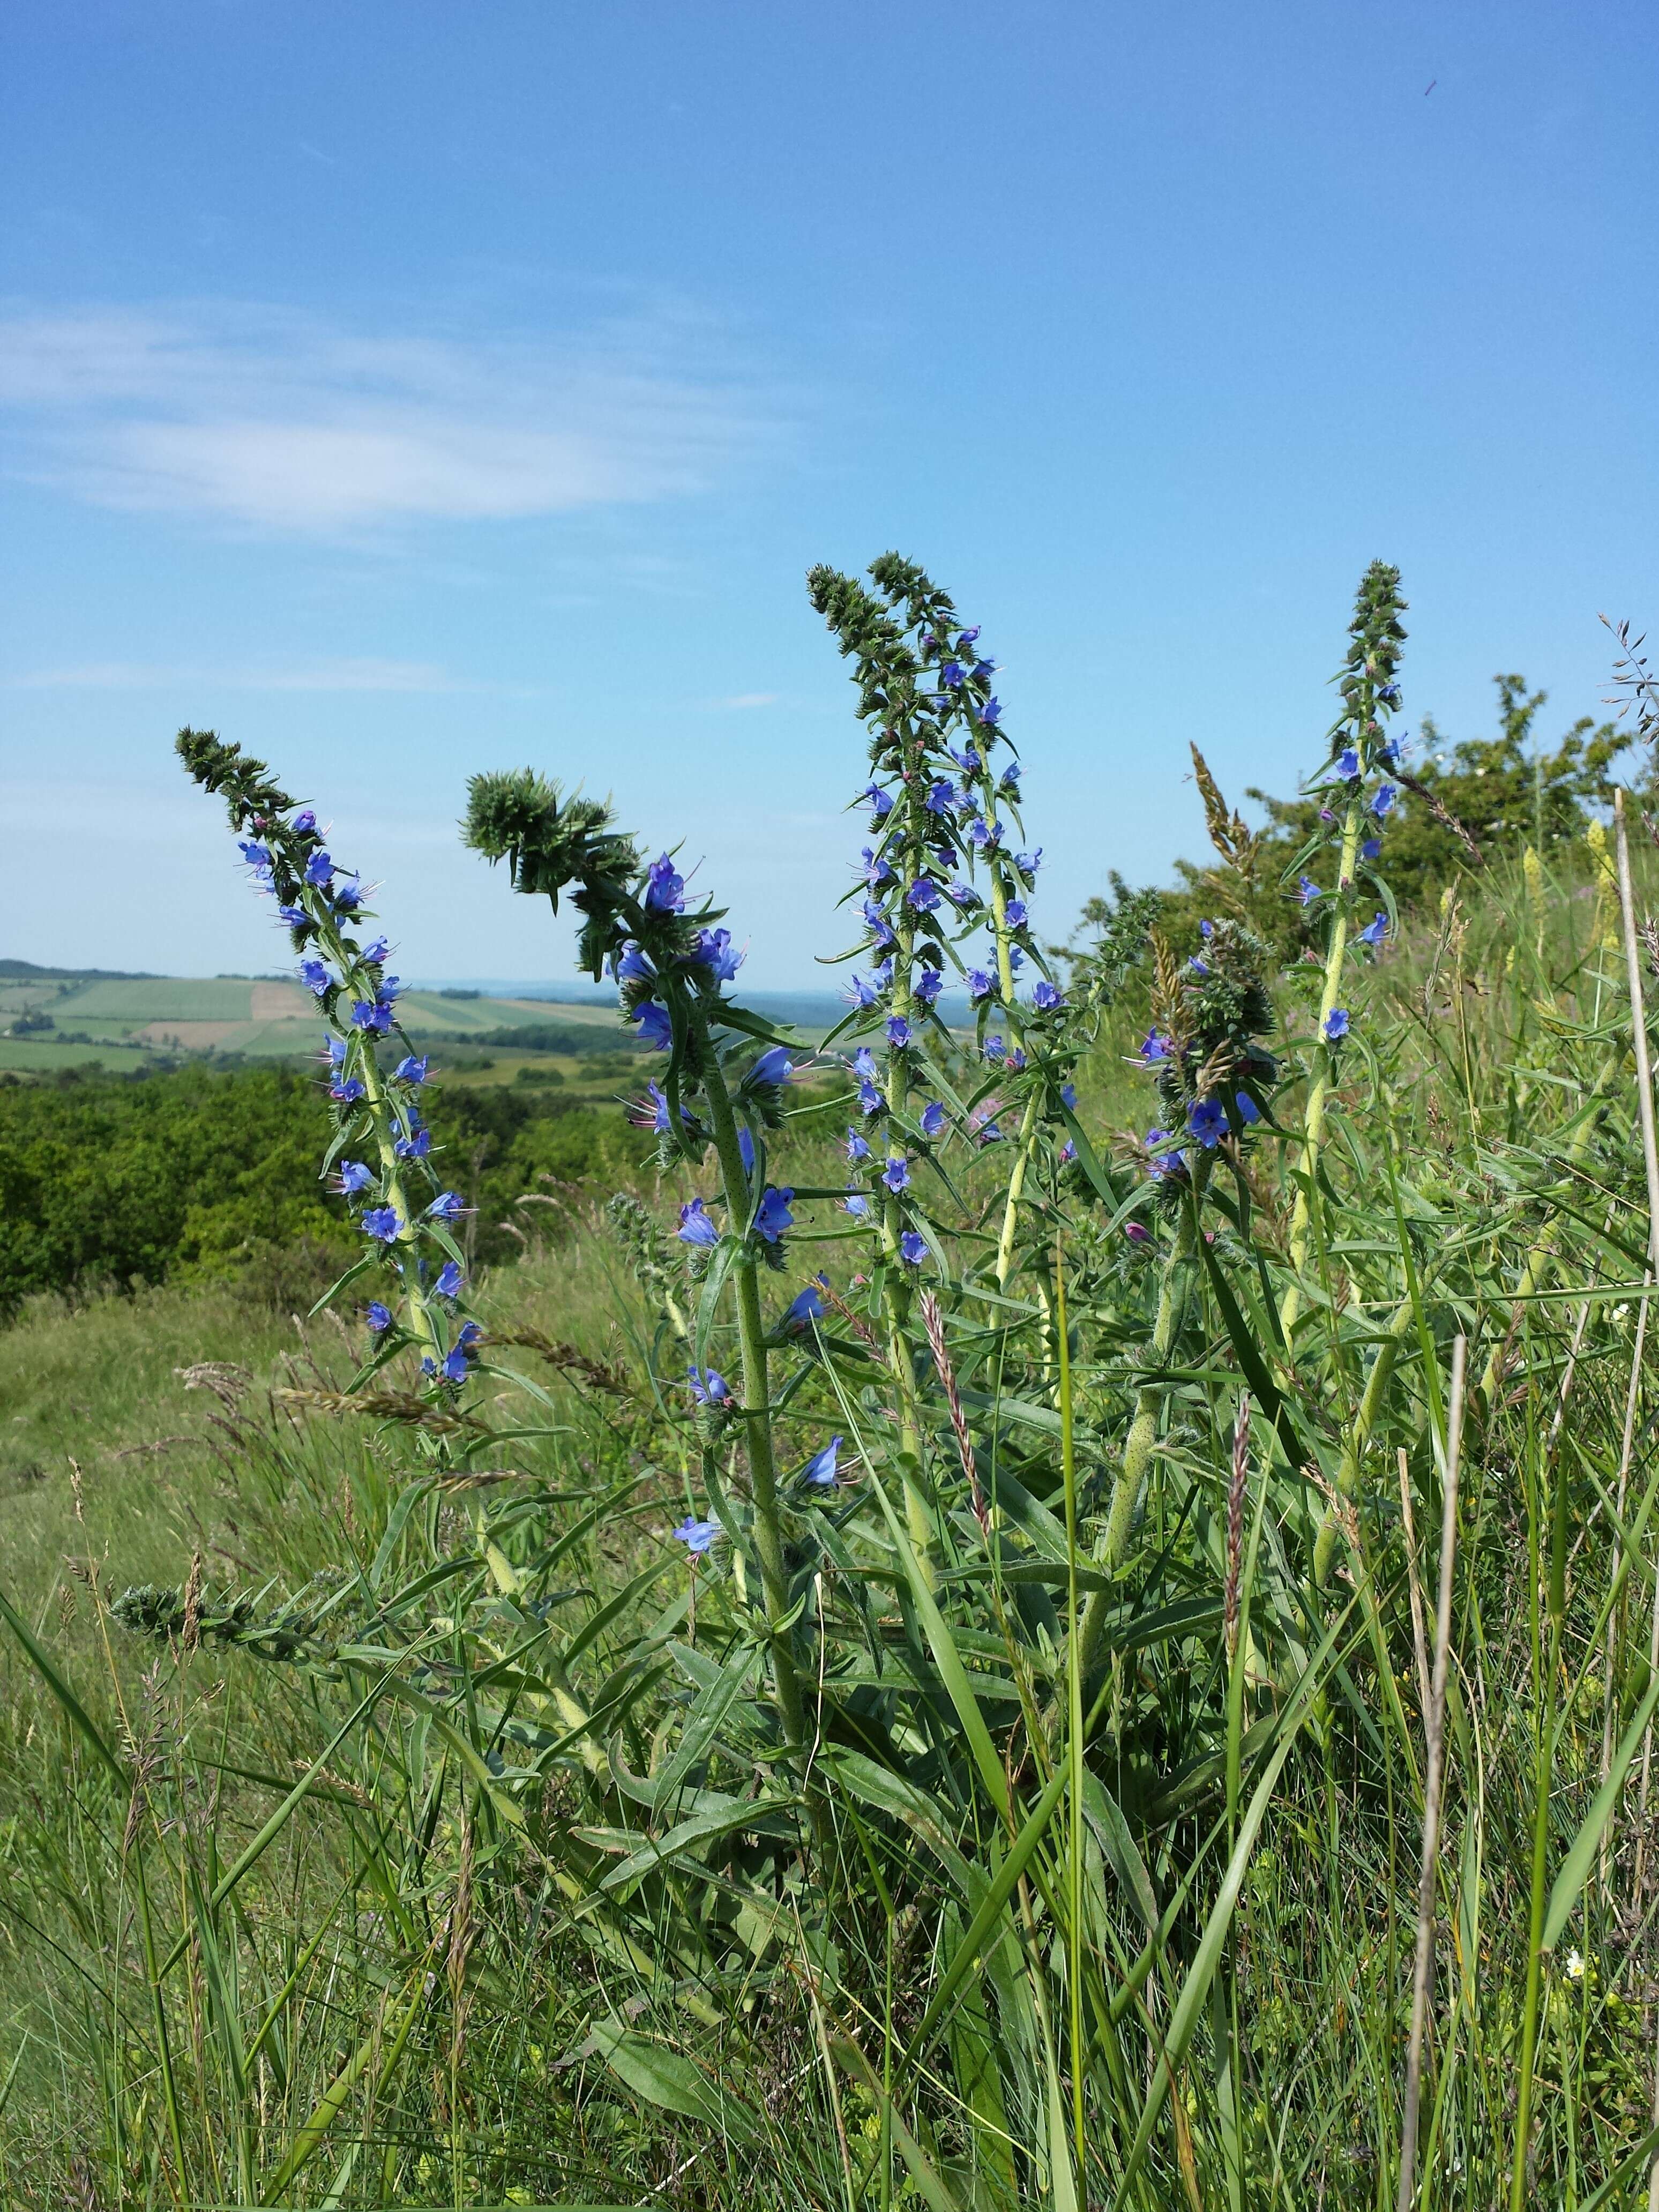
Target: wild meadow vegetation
x: 1059, y: 1613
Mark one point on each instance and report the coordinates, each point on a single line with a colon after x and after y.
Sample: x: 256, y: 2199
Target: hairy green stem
x: 1113, y: 1544
x: 756, y: 1393
x: 1313, y: 1128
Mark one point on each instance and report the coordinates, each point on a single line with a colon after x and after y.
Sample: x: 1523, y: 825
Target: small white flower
x: 1575, y: 1966
x: 1621, y: 1313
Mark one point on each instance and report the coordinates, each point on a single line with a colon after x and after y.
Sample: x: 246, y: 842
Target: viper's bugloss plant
x: 722, y: 1090
x: 1338, y: 872
x: 380, y: 1154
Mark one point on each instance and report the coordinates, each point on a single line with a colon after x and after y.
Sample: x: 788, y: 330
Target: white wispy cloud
x: 348, y: 675
x: 268, y: 418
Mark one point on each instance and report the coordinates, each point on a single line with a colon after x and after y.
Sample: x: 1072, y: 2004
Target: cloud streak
x: 278, y: 421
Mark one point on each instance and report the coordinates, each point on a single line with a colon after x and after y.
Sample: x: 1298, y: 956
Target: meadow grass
x: 1039, y: 1820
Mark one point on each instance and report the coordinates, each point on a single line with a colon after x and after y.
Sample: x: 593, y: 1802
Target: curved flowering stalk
x: 1213, y: 1074
x: 943, y: 864
x: 381, y: 1146
x: 672, y: 967
x: 1359, y: 798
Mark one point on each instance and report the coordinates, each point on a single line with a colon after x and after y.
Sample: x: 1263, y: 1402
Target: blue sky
x: 409, y: 390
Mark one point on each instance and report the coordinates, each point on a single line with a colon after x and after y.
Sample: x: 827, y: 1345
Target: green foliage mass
x: 194, y: 1173
x: 1466, y: 806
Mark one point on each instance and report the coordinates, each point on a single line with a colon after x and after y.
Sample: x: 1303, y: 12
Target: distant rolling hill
x: 56, y: 1019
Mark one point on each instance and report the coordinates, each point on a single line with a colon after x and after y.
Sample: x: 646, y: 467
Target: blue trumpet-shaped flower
x: 714, y: 950
x: 913, y: 1249
x: 897, y: 1173
x: 860, y: 993
x: 773, y: 1216
x: 411, y: 1068
x: 1163, y: 1163
x: 415, y: 1145
x: 1307, y: 890
x: 898, y: 1032
x: 870, y: 1099
x: 923, y: 894
x: 980, y: 985
x: 808, y: 1305
x: 696, y: 1535
x: 952, y: 675
x: 378, y: 1316
x: 1383, y: 803
x: 991, y: 712
x: 1347, y: 763
x: 314, y: 973
x: 863, y: 1064
x: 708, y: 1388
x: 1047, y: 998
x: 373, y: 1015
x: 1373, y: 932
x: 819, y: 1472
x: 631, y: 966
x: 449, y: 1281
x: 880, y: 929
x: 881, y: 800
x: 941, y: 796
x: 695, y: 1225
x: 665, y: 887
x: 1372, y: 848
x: 319, y: 870
x: 448, y: 1205
x: 1336, y: 1023
x: 773, y: 1067
x: 653, y: 1026
x: 355, y: 1177
x: 856, y: 1204
x: 875, y: 870
x: 996, y: 1049
x: 858, y: 1147
x: 928, y: 985
x: 963, y: 896
x: 1207, y: 1121
x: 381, y: 1223
x: 1014, y: 913
x: 933, y: 1118
x: 348, y: 1090
x: 1246, y: 1107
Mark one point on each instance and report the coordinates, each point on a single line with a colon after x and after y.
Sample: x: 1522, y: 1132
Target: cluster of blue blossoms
x: 377, y: 1109
x: 946, y: 881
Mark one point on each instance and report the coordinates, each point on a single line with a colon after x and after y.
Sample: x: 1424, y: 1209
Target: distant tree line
x: 112, y: 1182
